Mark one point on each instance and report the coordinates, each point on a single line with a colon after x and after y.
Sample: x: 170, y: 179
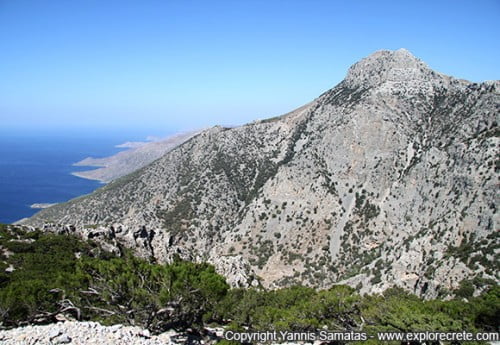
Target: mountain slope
x: 126, y: 162
x: 390, y: 178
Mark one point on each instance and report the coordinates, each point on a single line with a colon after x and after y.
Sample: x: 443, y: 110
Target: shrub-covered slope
x: 48, y: 277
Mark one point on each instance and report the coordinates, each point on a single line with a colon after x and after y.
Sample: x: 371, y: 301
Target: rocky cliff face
x: 389, y: 178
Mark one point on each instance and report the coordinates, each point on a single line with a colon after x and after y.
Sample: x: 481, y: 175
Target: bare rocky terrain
x: 89, y: 333
x: 390, y: 178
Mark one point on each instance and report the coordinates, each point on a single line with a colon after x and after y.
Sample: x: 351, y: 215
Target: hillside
x: 125, y: 162
x: 389, y: 178
x: 58, y: 289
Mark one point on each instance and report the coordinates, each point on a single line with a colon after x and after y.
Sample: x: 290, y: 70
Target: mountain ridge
x: 135, y: 157
x: 386, y: 179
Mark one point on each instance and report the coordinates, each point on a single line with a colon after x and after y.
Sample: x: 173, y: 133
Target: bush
x: 158, y: 297
x: 43, y: 277
x: 49, y: 279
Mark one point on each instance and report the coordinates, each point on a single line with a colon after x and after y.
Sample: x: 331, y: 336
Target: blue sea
x: 36, y: 167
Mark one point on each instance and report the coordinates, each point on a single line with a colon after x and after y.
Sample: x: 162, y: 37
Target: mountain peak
x: 387, y: 65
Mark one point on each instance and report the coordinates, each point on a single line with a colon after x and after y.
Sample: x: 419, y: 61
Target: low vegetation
x: 44, y: 276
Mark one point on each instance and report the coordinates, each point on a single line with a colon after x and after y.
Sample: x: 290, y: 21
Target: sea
x: 36, y: 166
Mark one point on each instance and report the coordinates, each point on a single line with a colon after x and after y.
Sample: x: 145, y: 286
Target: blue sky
x: 190, y: 64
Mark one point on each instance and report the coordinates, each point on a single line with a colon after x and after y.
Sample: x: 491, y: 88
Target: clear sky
x: 189, y: 64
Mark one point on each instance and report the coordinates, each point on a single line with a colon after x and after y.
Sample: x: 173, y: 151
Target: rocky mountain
x: 389, y: 178
x: 139, y: 154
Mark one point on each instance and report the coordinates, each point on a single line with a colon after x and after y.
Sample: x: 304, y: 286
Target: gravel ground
x: 88, y: 333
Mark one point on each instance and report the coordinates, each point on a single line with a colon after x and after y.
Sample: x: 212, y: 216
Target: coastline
x: 88, y: 175
x: 135, y: 156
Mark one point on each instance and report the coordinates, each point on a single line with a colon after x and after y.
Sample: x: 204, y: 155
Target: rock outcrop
x: 389, y: 178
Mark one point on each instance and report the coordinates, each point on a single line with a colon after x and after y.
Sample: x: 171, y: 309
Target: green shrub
x: 95, y: 285
x: 50, y: 278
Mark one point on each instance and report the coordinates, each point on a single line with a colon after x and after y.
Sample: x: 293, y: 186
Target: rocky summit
x: 390, y: 178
